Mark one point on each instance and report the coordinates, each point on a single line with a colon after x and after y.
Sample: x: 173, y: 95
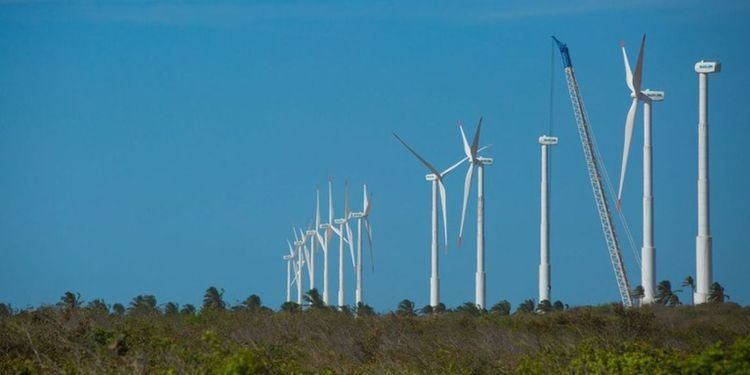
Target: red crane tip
x: 622, y: 43
x: 618, y: 205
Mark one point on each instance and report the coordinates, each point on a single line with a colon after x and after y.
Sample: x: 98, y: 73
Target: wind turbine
x: 301, y: 251
x: 312, y: 234
x: 289, y: 258
x: 328, y: 229
x: 436, y: 178
x: 648, y: 251
x: 703, y: 251
x: 343, y: 224
x: 479, y: 162
x: 544, y: 266
x: 362, y: 218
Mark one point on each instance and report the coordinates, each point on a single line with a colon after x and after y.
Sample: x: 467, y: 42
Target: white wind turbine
x: 648, y: 251
x: 301, y: 250
x: 362, y: 218
x: 436, y: 178
x: 343, y: 224
x: 289, y: 258
x: 324, y: 240
x: 312, y: 234
x: 479, y: 162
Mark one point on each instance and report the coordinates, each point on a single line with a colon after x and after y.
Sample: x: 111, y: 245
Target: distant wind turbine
x: 479, y: 162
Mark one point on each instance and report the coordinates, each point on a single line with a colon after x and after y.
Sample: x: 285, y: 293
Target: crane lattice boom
x: 595, y: 178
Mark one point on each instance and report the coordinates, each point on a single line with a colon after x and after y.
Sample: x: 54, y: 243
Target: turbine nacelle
x: 325, y: 226
x: 358, y: 215
x: 339, y: 221
x: 654, y: 96
x: 481, y: 160
x: 708, y: 67
x: 430, y: 177
x: 547, y: 140
x: 311, y: 233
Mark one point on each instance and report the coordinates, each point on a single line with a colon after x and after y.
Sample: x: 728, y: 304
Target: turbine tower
x: 343, y: 224
x: 703, y: 240
x: 479, y: 162
x: 544, y: 267
x: 436, y: 178
x: 362, y: 218
x: 325, y: 240
x: 313, y: 235
x: 648, y: 251
x: 299, y: 246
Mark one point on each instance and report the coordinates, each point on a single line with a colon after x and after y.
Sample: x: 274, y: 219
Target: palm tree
x: 188, y: 309
x: 314, y: 300
x: 290, y: 307
x: 665, y: 295
x: 427, y: 310
x: 118, y: 309
x: 716, y: 293
x: 70, y: 301
x: 171, y: 308
x: 214, y: 299
x: 526, y: 306
x: 143, y: 305
x: 501, y: 308
x: 406, y: 308
x: 689, y: 282
x: 252, y: 304
x: 544, y: 306
x: 638, y: 292
x: 98, y: 306
x: 365, y: 310
x: 469, y: 308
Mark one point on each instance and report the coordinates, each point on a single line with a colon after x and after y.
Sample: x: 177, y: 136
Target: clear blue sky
x: 162, y: 148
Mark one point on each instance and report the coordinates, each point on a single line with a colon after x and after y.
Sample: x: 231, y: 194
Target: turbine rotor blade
x: 467, y: 189
x: 475, y: 142
x: 421, y: 159
x: 452, y: 167
x: 317, y: 209
x: 444, y: 208
x: 368, y: 229
x: 629, y: 124
x: 467, y: 148
x: 638, y: 69
x: 330, y: 204
x: 628, y: 72
x: 350, y: 242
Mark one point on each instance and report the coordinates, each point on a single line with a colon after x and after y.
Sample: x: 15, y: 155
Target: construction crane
x: 595, y: 177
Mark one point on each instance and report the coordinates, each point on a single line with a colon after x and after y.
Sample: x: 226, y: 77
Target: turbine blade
x: 368, y: 228
x: 291, y: 252
x: 475, y: 142
x: 628, y: 72
x: 317, y: 209
x: 629, y: 123
x: 320, y: 240
x: 369, y: 206
x: 346, y: 200
x: 452, y: 167
x: 351, y: 246
x: 639, y: 69
x: 445, y: 213
x: 428, y: 165
x: 467, y: 148
x: 365, y: 200
x: 330, y: 204
x: 467, y: 189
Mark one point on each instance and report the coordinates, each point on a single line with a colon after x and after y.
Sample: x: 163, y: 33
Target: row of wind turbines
x: 302, y: 252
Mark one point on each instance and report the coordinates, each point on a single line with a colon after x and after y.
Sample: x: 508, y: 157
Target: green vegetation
x: 74, y: 336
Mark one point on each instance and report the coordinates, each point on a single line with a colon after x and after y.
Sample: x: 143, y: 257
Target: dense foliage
x: 78, y: 337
